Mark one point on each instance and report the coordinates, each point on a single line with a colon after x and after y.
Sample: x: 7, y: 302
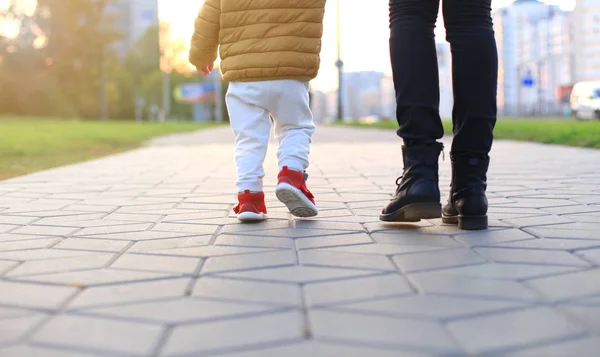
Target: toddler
x: 269, y: 52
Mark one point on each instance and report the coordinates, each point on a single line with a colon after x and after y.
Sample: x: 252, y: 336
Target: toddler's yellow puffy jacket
x: 260, y: 39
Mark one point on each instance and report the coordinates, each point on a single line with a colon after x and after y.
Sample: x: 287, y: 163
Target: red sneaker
x: 292, y: 191
x: 251, y: 207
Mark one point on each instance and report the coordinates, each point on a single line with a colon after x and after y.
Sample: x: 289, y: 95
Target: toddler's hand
x: 205, y: 71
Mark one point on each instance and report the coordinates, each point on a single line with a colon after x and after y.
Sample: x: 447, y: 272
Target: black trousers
x: 469, y: 31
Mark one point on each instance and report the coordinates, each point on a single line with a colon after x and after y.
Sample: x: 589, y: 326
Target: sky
x: 365, y: 33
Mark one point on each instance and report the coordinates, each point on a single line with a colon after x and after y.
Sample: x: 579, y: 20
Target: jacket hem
x: 261, y: 79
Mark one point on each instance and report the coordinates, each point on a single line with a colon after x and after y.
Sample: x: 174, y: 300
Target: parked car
x: 585, y: 100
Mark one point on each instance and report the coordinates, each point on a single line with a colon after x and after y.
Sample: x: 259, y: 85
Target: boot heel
x: 419, y: 211
x: 414, y: 213
x: 473, y: 223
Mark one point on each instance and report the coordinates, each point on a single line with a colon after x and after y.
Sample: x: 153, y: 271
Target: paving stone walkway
x: 137, y: 255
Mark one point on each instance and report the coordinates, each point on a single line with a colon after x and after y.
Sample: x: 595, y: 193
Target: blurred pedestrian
x: 270, y: 52
x: 469, y: 31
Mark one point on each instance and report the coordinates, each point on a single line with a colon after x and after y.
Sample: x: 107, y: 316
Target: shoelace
x: 398, y: 180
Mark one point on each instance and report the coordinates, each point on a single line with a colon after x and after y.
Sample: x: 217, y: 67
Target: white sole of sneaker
x: 298, y: 204
x: 251, y: 217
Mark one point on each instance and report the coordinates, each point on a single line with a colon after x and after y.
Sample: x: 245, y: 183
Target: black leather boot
x: 467, y: 205
x: 418, y: 193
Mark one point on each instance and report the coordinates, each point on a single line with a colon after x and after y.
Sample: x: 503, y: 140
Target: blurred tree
x: 139, y: 73
x: 52, y: 65
x: 59, y: 59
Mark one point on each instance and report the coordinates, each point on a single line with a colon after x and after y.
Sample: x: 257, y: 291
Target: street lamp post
x: 340, y: 66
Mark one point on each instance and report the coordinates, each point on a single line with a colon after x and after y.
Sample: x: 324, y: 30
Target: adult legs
x: 416, y: 81
x: 415, y: 69
x: 470, y: 32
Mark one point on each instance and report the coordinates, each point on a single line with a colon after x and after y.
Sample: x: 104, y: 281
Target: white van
x: 585, y: 100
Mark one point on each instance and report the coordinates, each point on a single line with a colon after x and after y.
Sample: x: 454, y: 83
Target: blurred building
x: 362, y: 94
x: 445, y: 69
x: 135, y: 17
x: 548, y: 53
x: 587, y: 40
x: 536, y: 56
x: 388, y: 98
x: 318, y: 106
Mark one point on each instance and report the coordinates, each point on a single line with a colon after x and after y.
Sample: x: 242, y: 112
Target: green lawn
x: 548, y: 131
x: 29, y: 145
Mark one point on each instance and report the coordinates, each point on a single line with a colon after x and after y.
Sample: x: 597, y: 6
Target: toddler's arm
x: 205, y: 40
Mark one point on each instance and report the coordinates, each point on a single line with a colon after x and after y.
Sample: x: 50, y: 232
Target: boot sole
x: 414, y: 213
x: 467, y: 223
x: 298, y: 204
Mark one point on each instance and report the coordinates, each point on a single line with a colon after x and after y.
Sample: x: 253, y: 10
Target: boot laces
x: 399, y: 180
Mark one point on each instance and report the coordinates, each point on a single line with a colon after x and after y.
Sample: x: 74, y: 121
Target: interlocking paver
x: 42, y: 254
x: 345, y: 260
x: 86, y: 278
x: 584, y: 347
x: 34, y: 296
x: 99, y: 245
x: 588, y: 315
x: 413, y: 237
x: 524, y: 256
x: 177, y: 311
x: 16, y: 220
x: 43, y: 230
x: 140, y: 255
x: 238, y: 333
x: 485, y: 334
x: 91, y: 333
x: 564, y: 233
x: 122, y: 294
x: 297, y: 274
x: 298, y: 232
x: 439, y: 283
x: 6, y: 266
x: 248, y: 291
x: 568, y: 286
x: 254, y: 242
x: 108, y: 229
x: 249, y: 261
x: 451, y: 258
x: 382, y: 249
x: 538, y: 221
x: 552, y: 244
x: 34, y: 267
x: 487, y: 238
x: 430, y: 307
x: 333, y: 241
x: 9, y: 312
x: 210, y: 251
x: 591, y: 255
x: 31, y: 351
x: 28, y: 244
x: 316, y: 349
x: 7, y: 227
x: 169, y: 243
x: 503, y: 271
x: 14, y: 329
x: 336, y: 292
x: 424, y: 336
